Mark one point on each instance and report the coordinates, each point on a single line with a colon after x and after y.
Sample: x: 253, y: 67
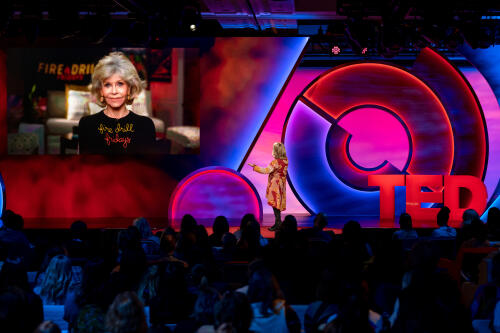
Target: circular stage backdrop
x: 373, y: 118
x: 213, y: 191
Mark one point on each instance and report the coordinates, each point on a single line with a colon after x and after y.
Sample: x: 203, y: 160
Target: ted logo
x: 440, y: 189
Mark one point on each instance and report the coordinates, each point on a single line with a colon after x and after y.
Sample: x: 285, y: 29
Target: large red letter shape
x: 386, y: 184
x: 452, y: 185
x: 415, y: 196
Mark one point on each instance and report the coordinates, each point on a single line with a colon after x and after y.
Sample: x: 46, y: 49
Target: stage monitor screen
x: 137, y: 101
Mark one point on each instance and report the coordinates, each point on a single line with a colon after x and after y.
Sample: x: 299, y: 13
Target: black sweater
x: 100, y: 134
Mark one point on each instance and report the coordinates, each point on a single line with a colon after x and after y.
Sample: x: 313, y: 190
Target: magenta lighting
x: 213, y: 191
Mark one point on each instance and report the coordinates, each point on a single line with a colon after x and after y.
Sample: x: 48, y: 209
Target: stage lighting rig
x: 336, y: 50
x: 360, y: 34
x: 190, y: 20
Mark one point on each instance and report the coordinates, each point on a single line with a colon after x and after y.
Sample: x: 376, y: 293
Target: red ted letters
x: 441, y: 189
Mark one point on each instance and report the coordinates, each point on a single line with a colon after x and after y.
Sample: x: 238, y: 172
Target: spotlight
x: 190, y: 19
x: 336, y: 50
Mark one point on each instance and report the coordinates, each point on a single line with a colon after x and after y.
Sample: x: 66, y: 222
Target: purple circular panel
x: 209, y: 192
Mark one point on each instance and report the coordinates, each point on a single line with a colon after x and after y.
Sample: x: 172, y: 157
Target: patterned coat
x: 276, y: 184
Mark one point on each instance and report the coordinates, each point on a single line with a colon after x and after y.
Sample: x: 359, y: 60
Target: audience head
x: 443, y: 216
x: 469, y: 215
x: 188, y: 224
x: 493, y: 215
x: 220, y: 226
x: 94, y: 276
x: 493, y: 222
x: 246, y: 218
x: 143, y: 226
x: 287, y: 235
x: 48, y: 326
x: 126, y: 314
x: 353, y: 310
x: 129, y: 239
x: 405, y: 221
x: 203, y: 311
x: 168, y: 240
x: 14, y: 274
x: 56, y: 280
x: 431, y: 302
x: 12, y: 220
x: 201, y: 235
x: 229, y: 241
x: 51, y: 253
x: 78, y: 230
x: 478, y: 230
x: 352, y: 231
x: 289, y: 224
x: 148, y: 287
x: 320, y: 221
x: 233, y: 311
x: 263, y: 287
x: 251, y: 235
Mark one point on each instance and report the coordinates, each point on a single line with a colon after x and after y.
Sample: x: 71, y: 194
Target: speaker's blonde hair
x: 116, y: 63
x: 279, y: 150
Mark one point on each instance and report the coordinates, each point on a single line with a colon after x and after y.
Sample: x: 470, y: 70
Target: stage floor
x: 335, y: 223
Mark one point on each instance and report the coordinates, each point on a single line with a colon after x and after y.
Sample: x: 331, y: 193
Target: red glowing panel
x: 415, y: 196
x: 476, y: 188
x: 386, y: 184
x: 389, y: 87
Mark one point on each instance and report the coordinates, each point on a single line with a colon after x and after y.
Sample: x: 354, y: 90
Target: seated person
x: 219, y: 228
x: 270, y: 310
x: 150, y: 243
x: 493, y: 224
x: 444, y: 231
x: 487, y: 295
x: 14, y: 240
x: 233, y: 313
x: 406, y: 231
x: 56, y: 281
x: 78, y: 246
x: 317, y: 232
x: 468, y: 216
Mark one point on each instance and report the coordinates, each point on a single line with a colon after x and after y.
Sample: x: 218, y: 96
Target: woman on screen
x: 276, y: 183
x: 115, y: 129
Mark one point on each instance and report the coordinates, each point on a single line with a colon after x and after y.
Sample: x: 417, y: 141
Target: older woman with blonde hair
x: 115, y: 129
x: 276, y: 182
